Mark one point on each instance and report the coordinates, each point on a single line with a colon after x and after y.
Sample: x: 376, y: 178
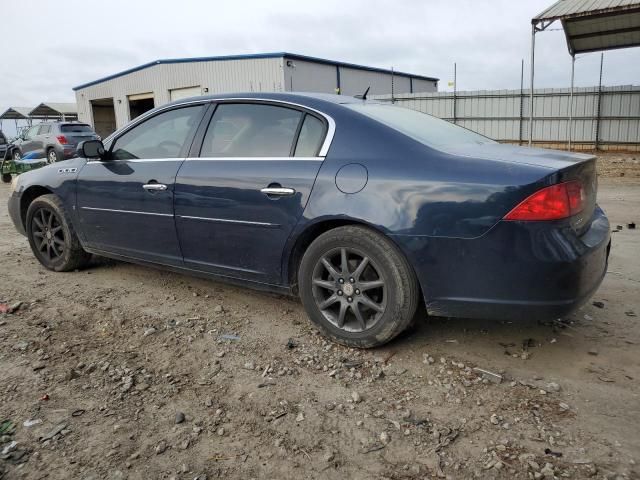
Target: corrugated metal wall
x: 504, y: 114
x: 262, y: 74
x: 303, y: 76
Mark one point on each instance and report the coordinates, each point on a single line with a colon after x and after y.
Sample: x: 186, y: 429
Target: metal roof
x: 54, y: 110
x: 285, y: 55
x: 16, y: 113
x: 595, y: 25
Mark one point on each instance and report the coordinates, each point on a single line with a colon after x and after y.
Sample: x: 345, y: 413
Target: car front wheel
x: 357, y: 287
x: 52, y: 237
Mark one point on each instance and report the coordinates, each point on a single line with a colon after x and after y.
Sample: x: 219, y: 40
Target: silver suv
x: 54, y: 140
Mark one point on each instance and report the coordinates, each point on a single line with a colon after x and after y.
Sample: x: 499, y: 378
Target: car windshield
x: 75, y: 128
x: 422, y: 127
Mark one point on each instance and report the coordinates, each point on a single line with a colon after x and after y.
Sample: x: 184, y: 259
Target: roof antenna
x: 364, y: 95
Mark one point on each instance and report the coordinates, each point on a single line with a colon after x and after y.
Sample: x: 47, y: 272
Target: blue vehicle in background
x: 363, y: 209
x: 10, y: 166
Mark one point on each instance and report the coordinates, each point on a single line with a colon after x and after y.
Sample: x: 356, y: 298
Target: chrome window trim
x: 328, y: 139
x: 236, y: 159
x: 137, y: 160
x: 225, y: 220
x: 127, y: 211
x: 251, y: 159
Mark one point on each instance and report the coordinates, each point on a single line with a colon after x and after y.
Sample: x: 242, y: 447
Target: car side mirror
x: 91, y: 149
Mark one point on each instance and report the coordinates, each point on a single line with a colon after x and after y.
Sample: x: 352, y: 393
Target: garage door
x: 178, y: 93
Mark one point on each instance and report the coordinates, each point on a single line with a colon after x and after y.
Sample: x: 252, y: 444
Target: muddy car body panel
x: 444, y: 206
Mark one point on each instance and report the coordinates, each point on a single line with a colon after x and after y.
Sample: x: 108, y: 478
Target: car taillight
x: 62, y: 139
x: 551, y: 203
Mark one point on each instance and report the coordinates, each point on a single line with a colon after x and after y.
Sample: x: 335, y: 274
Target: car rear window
x: 76, y: 128
x: 422, y: 127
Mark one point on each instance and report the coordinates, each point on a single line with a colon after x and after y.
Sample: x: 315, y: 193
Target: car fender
x: 59, y: 179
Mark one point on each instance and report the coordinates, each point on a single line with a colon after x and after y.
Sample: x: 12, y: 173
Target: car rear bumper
x: 517, y: 270
x: 14, y: 212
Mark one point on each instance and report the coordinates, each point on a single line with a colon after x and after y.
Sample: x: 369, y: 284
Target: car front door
x: 28, y: 142
x: 238, y: 199
x: 125, y: 202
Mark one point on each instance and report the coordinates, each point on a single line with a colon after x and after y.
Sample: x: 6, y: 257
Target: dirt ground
x: 121, y: 371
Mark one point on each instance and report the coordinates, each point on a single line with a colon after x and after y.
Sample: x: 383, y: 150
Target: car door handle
x: 154, y: 187
x: 278, y: 191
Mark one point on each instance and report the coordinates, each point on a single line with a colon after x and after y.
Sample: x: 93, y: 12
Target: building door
x: 179, y: 93
x: 104, y: 116
x: 139, y: 104
x: 237, y: 203
x: 125, y: 203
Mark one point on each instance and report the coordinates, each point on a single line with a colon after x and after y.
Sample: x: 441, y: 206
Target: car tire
x: 354, y: 269
x: 6, y: 178
x: 52, y: 156
x: 52, y: 237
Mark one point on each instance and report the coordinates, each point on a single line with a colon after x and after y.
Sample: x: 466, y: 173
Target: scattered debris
x: 488, y: 375
x: 31, y: 423
x: 631, y: 226
x: 598, y: 304
x: 161, y: 447
x: 149, y: 331
x: 548, y: 451
x: 291, y: 344
x: 552, y: 387
x: 180, y: 417
x: 6, y: 308
x: 56, y: 430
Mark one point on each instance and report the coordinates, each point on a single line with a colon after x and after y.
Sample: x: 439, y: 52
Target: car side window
x: 310, y: 138
x: 161, y: 136
x: 29, y: 134
x: 251, y: 130
x: 44, y: 129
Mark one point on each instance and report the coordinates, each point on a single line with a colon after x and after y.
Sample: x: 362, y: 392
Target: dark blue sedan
x: 363, y: 209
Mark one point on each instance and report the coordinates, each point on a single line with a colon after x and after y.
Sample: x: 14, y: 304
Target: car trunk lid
x: 563, y: 167
x: 77, y: 132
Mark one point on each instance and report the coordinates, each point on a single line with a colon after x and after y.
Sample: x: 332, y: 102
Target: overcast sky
x: 49, y: 47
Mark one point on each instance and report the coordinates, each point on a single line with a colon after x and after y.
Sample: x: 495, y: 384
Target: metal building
x: 111, y: 102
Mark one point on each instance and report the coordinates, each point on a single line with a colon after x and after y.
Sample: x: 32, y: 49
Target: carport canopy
x: 589, y: 26
x: 66, y: 111
x: 16, y: 113
x: 594, y: 25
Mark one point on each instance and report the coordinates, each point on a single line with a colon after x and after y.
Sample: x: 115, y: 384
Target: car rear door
x: 239, y: 197
x: 125, y: 203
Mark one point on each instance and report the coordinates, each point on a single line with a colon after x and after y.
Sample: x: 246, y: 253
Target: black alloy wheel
x: 46, y: 229
x: 52, y: 237
x: 357, y: 287
x: 349, y: 290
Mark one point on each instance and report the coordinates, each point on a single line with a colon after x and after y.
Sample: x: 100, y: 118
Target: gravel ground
x: 121, y: 371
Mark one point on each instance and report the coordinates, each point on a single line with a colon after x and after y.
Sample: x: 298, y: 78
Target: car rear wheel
x: 52, y: 237
x: 52, y: 156
x: 357, y: 287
